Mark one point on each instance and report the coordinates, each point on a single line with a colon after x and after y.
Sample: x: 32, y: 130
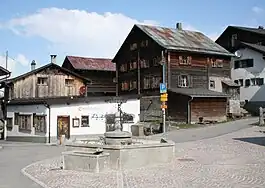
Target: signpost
x: 163, y: 91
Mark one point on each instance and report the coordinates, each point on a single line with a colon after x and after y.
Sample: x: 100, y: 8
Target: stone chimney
x: 53, y: 59
x: 179, y: 26
x: 33, y: 65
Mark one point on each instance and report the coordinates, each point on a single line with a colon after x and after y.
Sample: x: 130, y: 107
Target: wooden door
x: 63, y: 126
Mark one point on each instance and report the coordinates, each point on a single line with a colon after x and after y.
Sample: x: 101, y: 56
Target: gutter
x: 49, y: 131
x: 189, y: 111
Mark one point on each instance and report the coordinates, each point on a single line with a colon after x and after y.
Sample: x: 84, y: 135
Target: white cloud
x: 257, y: 10
x: 76, y: 31
x: 22, y: 59
x: 14, y: 63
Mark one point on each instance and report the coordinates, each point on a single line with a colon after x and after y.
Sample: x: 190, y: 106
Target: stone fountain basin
x: 85, y: 161
x: 140, y: 153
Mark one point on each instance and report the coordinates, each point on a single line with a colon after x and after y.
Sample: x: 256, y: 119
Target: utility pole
x: 163, y: 91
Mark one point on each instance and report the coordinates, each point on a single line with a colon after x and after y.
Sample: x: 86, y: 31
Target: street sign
x: 164, y: 106
x: 163, y: 97
x: 163, y: 88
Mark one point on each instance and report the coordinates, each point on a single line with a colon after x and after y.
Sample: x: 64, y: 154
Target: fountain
x: 116, y: 150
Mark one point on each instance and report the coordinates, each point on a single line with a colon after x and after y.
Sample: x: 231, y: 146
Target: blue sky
x: 36, y: 29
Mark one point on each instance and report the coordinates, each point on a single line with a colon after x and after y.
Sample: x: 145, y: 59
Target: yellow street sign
x: 163, y: 97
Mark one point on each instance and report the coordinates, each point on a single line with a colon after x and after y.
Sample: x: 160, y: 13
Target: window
x: 125, y: 85
x: 213, y: 63
x: 133, y: 46
x: 84, y: 121
x: 123, y: 68
x: 144, y: 43
x: 233, y: 40
x: 24, y: 122
x: 133, y: 65
x: 236, y: 81
x: 133, y: 85
x: 253, y: 81
x: 184, y: 60
x: 184, y: 81
x: 39, y: 122
x: 260, y: 81
x: 245, y: 63
x: 212, y: 84
x: 241, y: 82
x: 69, y: 82
x: 247, y: 82
x: 152, y: 82
x: 144, y: 63
x: 42, y: 81
x: 259, y: 43
x: 9, y: 124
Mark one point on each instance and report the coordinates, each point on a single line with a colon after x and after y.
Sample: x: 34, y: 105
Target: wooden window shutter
x: 190, y: 81
x: 179, y: 80
x: 180, y: 60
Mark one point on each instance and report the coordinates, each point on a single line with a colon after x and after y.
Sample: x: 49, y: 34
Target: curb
x: 23, y: 171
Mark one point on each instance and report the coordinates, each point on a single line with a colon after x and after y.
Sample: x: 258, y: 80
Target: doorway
x: 63, y: 126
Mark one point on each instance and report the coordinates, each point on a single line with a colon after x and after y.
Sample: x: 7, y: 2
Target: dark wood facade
x: 103, y: 82
x: 233, y: 35
x: 139, y: 71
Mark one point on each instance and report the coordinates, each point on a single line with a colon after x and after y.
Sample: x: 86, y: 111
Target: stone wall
x: 150, y: 108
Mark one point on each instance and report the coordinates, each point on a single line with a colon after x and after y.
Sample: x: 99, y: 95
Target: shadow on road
x: 254, y: 140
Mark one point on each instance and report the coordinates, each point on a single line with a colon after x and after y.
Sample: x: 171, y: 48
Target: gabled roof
x: 181, y: 40
x: 255, y: 47
x: 4, y: 71
x: 250, y: 29
x: 259, y: 31
x: 35, y: 71
x: 85, y: 63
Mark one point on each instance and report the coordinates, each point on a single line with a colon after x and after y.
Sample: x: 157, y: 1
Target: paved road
x: 186, y: 135
x: 15, y: 156
x: 232, y: 160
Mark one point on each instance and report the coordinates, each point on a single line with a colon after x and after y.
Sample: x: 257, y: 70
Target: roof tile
x: 85, y: 63
x: 183, y: 40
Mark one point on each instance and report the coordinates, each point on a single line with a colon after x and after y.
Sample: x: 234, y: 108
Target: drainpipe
x: 49, y: 131
x: 189, y: 111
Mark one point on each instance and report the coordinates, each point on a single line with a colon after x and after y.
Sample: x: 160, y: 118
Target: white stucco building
x: 80, y: 119
x: 248, y: 69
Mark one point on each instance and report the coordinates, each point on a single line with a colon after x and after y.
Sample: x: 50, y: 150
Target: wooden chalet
x: 233, y: 35
x: 48, y: 81
x: 190, y: 57
x: 100, y: 71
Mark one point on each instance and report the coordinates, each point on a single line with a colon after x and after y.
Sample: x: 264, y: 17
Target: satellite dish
x: 238, y: 54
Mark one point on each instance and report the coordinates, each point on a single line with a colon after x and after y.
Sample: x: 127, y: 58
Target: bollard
x: 261, y: 116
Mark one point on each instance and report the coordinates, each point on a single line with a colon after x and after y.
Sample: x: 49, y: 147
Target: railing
x: 261, y: 116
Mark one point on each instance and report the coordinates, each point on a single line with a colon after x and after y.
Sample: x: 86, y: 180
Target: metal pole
x: 6, y: 61
x: 164, y: 82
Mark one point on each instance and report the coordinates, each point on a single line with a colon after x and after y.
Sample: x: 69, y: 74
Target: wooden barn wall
x: 55, y: 85
x: 213, y: 109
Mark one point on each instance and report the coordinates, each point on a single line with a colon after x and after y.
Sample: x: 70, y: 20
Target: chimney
x: 53, y: 59
x: 33, y: 65
x: 260, y: 27
x: 179, y: 26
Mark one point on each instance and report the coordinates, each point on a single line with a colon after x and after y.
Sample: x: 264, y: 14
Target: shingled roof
x: 85, y: 63
x: 181, y: 40
x: 255, y: 47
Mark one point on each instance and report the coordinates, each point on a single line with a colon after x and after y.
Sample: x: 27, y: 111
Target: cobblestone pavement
x: 224, y: 161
